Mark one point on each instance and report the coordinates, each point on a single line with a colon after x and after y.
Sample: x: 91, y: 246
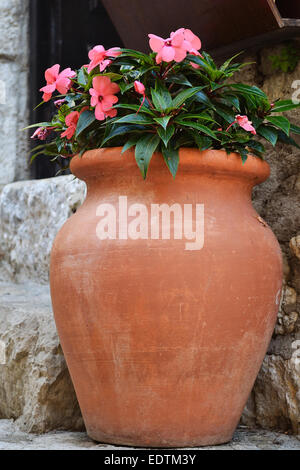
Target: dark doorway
x: 62, y: 31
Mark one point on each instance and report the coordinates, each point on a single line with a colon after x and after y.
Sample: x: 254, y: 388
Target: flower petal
x: 51, y: 74
x: 72, y: 118
x: 99, y: 114
x: 97, y: 50
x: 108, y: 101
x: 167, y: 53
x: 47, y: 97
x: 158, y: 58
x: 67, y: 73
x: 104, y: 64
x: 177, y: 38
x: 113, y: 52
x: 192, y: 39
x: 179, y: 54
x: 63, y: 85
x: 49, y: 88
x: 99, y: 84
x: 156, y: 43
x: 111, y: 112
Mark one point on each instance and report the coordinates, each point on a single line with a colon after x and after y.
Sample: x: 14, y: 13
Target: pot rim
x: 99, y: 162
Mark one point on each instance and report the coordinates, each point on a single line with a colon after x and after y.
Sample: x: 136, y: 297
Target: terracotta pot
x: 164, y: 343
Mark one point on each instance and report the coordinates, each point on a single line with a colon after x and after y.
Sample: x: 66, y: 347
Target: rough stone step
x: 35, y: 386
x: 11, y: 438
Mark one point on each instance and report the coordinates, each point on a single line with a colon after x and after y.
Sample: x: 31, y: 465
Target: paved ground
x: 244, y: 439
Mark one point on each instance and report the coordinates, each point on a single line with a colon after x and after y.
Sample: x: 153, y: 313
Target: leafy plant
x: 173, y: 97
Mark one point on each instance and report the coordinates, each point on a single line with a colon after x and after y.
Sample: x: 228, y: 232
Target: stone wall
x: 14, y: 109
x: 275, y: 400
x: 31, y: 213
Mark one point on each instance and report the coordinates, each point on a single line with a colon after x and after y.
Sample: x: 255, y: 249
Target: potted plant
x: 165, y: 290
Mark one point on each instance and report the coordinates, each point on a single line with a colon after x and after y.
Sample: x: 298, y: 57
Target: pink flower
x: 168, y: 49
x: 71, y: 122
x: 57, y: 81
x: 139, y: 87
x: 58, y: 103
x: 98, y: 56
x: 103, y: 97
x: 196, y: 53
x: 41, y: 133
x: 192, y: 39
x: 244, y: 122
x: 175, y: 47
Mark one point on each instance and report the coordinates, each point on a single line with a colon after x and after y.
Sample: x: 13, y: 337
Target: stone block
x: 35, y: 387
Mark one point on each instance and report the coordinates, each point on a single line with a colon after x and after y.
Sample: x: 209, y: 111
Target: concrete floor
x: 244, y: 439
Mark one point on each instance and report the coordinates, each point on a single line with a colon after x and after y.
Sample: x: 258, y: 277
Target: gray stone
x: 31, y: 214
x: 295, y: 246
x: 35, y: 386
x: 244, y: 439
x: 14, y: 107
x: 13, y: 18
x: 275, y: 400
x: 287, y: 316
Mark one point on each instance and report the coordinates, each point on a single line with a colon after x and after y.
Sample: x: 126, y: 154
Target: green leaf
x: 231, y: 100
x: 134, y: 119
x: 120, y: 130
x: 163, y: 121
x: 202, y: 117
x: 166, y: 134
x: 135, y: 107
x: 247, y: 89
x: 125, y: 87
x: 201, y: 97
x: 161, y: 98
x: 225, y: 113
x: 199, y: 127
x: 209, y: 59
x: 82, y: 78
x: 243, y: 153
x: 184, y: 140
x: 282, y: 137
x: 130, y: 143
x: 145, y: 69
x: 184, y: 95
x: 202, y: 141
x: 285, y: 105
x: 295, y: 129
x: 254, y: 144
x: 281, y: 122
x: 85, y: 120
x: 144, y: 150
x: 171, y: 157
x: 228, y: 62
x: 136, y: 54
x: 38, y: 124
x: 256, y: 121
x: 208, y: 66
x: 113, y: 76
x: 269, y: 133
x: 180, y: 79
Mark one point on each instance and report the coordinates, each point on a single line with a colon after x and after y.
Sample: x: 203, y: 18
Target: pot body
x: 163, y: 341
